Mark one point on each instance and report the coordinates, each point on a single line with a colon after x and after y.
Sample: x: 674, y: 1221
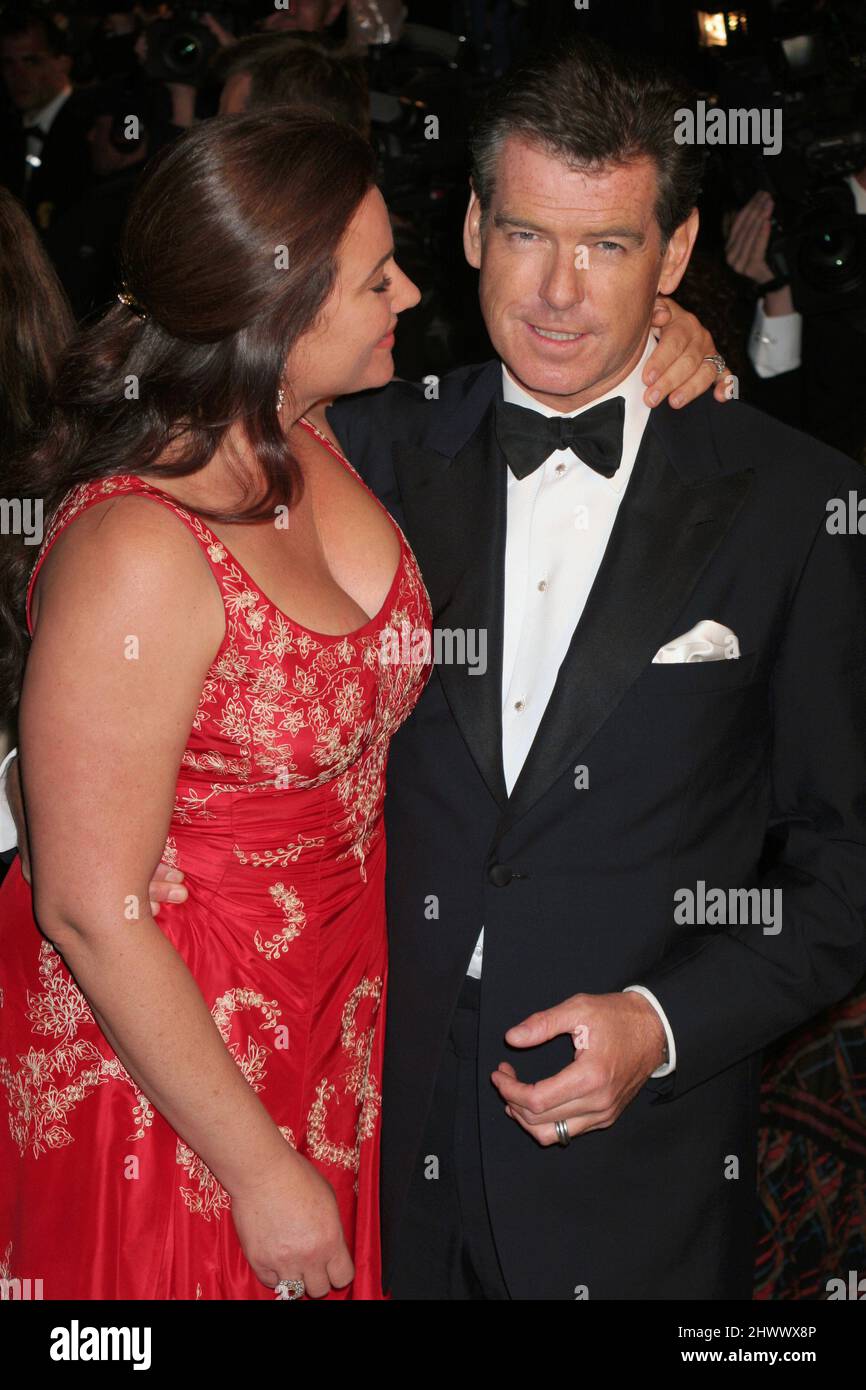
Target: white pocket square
x: 706, y: 641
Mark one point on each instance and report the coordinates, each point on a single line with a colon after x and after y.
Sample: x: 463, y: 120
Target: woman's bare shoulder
x: 127, y: 548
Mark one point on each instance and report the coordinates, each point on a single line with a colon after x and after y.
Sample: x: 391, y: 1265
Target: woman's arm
x: 676, y: 369
x: 129, y: 620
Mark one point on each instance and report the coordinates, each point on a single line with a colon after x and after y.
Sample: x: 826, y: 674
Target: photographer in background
x: 45, y: 159
x: 308, y: 16
x: 810, y: 369
x: 279, y: 70
x: 130, y: 122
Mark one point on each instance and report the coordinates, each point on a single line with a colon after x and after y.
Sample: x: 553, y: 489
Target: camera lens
x: 182, y: 53
x: 831, y: 256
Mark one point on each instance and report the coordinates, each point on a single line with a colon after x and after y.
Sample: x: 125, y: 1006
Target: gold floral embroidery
x: 359, y: 1083
x: 272, y: 858
x: 273, y: 682
x: 281, y: 709
x: 38, y: 1107
x: 211, y: 1199
x: 296, y: 919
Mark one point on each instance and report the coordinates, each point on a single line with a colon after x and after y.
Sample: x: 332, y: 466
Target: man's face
x: 576, y: 254
x: 308, y: 15
x: 32, y: 73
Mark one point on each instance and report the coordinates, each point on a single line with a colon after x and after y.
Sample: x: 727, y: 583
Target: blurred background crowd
x: 91, y: 89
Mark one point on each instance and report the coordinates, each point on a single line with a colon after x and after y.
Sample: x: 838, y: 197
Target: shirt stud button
x: 519, y: 705
x: 560, y: 469
x: 542, y: 585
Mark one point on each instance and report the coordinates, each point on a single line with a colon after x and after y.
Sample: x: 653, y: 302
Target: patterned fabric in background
x: 812, y: 1156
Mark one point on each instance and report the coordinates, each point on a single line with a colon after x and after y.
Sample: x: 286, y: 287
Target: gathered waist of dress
x: 337, y: 824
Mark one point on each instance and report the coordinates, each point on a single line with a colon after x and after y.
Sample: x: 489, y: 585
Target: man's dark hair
x: 296, y: 70
x: 15, y: 23
x: 594, y: 109
x: 303, y: 74
x: 242, y: 56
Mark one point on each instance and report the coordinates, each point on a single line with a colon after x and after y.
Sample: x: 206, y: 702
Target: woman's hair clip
x: 126, y: 297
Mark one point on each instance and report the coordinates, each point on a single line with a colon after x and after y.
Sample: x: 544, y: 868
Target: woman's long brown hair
x: 36, y: 323
x: 230, y: 247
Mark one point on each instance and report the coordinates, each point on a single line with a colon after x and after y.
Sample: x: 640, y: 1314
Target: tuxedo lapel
x: 673, y: 516
x: 455, y: 517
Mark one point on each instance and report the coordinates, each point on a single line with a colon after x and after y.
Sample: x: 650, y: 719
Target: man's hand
x: 222, y: 36
x: 748, y: 239
x: 746, y: 252
x: 619, y: 1043
x: 677, y: 365
x: 166, y: 886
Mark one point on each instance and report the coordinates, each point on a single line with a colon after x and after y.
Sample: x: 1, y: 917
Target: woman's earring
x: 281, y: 396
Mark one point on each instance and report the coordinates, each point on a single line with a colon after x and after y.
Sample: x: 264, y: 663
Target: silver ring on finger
x: 289, y: 1289
x: 562, y: 1135
x: 718, y: 362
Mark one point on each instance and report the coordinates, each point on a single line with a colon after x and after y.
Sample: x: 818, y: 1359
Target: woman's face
x: 349, y: 349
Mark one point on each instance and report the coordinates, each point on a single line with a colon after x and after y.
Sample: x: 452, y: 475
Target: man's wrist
x: 669, y: 1060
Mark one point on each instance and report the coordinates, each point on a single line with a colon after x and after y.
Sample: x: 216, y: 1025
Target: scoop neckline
x: 324, y: 637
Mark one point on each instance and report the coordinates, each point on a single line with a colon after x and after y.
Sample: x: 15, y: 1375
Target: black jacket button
x: 500, y: 875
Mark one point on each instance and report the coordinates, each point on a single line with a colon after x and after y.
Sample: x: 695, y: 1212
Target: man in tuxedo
x: 573, y: 1036
x: 570, y: 1095
x: 46, y: 160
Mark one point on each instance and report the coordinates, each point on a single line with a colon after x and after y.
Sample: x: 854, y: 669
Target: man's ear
x: 472, y: 230
x: 678, y: 253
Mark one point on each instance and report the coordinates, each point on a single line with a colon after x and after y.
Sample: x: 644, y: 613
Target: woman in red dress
x: 192, y: 1109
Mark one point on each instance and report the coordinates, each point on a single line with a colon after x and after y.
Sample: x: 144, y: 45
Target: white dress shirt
x: 775, y: 343
x: 559, y: 521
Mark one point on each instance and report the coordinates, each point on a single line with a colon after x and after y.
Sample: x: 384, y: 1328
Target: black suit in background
x: 740, y: 773
x: 65, y: 169
x: 824, y: 395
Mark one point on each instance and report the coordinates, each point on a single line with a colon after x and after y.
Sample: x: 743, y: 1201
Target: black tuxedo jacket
x: 65, y: 171
x: 740, y: 773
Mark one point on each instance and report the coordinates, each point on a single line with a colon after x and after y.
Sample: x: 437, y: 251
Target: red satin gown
x: 278, y: 827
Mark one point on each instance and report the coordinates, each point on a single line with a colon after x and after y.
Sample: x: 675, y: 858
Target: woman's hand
x: 677, y: 364
x: 289, y: 1227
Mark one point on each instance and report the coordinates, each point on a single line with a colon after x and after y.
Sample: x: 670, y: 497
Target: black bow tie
x: 527, y: 437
